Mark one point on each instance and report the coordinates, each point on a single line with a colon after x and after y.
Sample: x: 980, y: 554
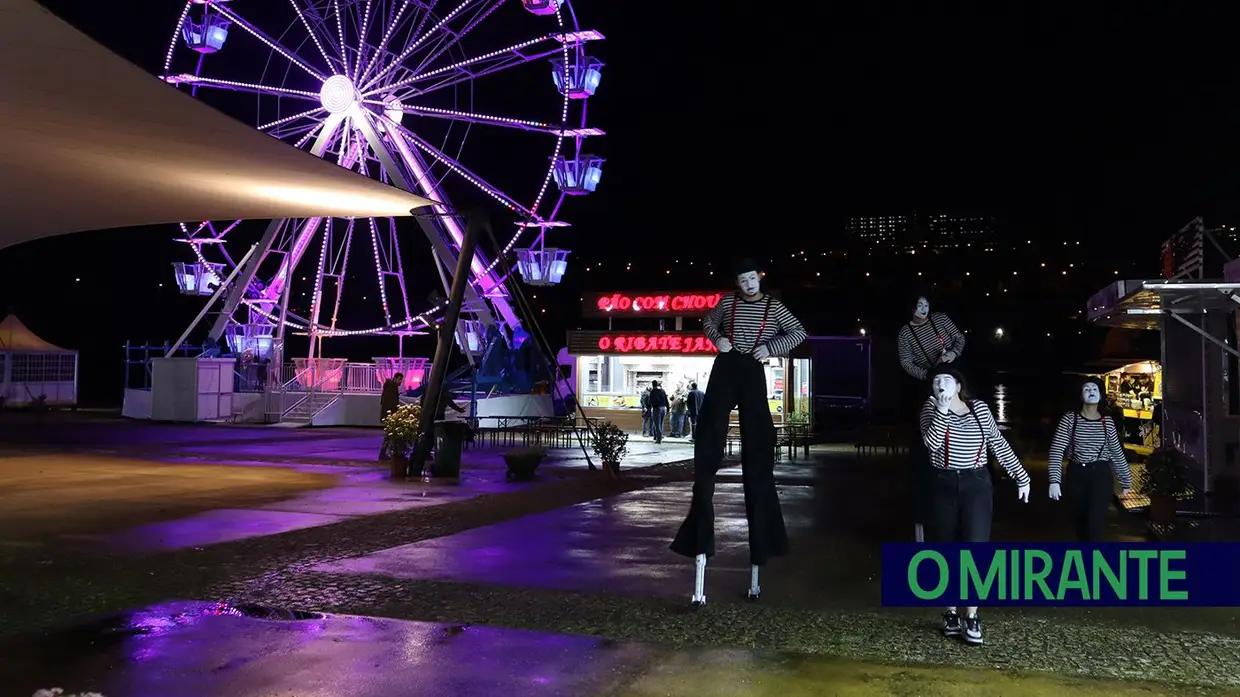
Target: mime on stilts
x: 747, y: 327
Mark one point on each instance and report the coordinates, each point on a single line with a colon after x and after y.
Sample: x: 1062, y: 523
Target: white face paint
x: 1090, y: 394
x: 922, y: 310
x: 945, y: 386
x: 749, y: 282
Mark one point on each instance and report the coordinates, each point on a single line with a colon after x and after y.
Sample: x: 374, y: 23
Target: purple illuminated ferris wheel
x: 389, y: 89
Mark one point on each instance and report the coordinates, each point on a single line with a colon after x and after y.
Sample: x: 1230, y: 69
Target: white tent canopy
x: 32, y: 369
x: 91, y: 142
x: 16, y: 337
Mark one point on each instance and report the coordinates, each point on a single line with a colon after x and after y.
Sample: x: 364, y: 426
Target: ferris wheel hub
x: 338, y: 94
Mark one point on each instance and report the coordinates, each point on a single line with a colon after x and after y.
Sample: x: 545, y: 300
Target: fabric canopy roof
x: 16, y: 337
x: 89, y: 141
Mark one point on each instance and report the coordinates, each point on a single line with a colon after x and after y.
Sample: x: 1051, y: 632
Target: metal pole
x: 474, y: 223
x: 211, y: 303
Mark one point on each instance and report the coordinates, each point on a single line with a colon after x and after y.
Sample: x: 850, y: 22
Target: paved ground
x: 580, y: 556
x: 201, y: 650
x: 84, y: 497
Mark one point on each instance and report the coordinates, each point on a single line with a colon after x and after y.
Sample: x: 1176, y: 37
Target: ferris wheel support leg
x: 430, y: 224
x: 439, y: 367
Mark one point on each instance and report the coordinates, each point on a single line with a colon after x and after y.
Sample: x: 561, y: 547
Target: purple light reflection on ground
x: 195, y: 652
x: 360, y: 493
x: 617, y: 544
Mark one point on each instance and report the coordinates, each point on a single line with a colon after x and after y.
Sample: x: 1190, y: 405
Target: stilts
x: 699, y: 581
x: 755, y: 591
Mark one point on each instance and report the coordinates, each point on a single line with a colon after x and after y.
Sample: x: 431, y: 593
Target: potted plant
x: 1164, y: 478
x: 401, y: 430
x: 523, y: 462
x: 611, y: 444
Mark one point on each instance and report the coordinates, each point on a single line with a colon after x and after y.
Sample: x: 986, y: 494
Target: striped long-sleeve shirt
x: 1082, y: 441
x: 960, y: 441
x: 921, y: 345
x: 763, y: 321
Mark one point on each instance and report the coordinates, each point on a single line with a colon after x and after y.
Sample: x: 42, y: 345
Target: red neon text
x: 693, y: 302
x: 655, y: 343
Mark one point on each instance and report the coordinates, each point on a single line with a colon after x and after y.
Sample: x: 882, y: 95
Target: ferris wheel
x: 389, y: 89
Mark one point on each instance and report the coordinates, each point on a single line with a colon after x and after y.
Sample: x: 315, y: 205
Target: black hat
x: 745, y: 265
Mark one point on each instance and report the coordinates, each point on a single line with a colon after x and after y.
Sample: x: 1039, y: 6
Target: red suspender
x: 1072, y: 437
x: 766, y: 312
x: 947, y: 443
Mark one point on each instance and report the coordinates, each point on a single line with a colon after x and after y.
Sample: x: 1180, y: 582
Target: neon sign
x: 667, y: 304
x: 656, y: 343
x: 586, y: 343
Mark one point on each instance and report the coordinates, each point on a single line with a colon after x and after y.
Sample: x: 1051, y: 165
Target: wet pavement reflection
x: 616, y: 545
x: 207, y: 650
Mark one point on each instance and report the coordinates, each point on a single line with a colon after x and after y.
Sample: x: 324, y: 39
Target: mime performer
x: 747, y: 327
x: 926, y: 341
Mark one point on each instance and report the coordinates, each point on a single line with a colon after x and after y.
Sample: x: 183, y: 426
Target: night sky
x: 727, y: 123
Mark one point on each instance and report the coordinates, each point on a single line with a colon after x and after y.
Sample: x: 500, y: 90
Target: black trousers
x: 961, y: 505
x: 1090, y: 487
x: 919, y: 470
x: 736, y: 381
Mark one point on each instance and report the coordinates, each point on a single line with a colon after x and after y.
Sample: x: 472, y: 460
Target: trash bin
x: 449, y: 436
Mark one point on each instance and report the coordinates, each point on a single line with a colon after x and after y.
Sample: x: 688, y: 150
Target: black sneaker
x: 973, y: 629
x: 952, y: 625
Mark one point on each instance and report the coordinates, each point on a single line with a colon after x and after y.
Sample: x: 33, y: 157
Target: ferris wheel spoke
x: 486, y: 64
x: 417, y: 42
x: 197, y: 81
x: 451, y: 38
x: 305, y: 23
x: 344, y: 55
x: 459, y: 169
x: 488, y: 120
x: 295, y: 130
x: 394, y: 21
x: 271, y: 43
x: 361, y: 42
x: 307, y: 114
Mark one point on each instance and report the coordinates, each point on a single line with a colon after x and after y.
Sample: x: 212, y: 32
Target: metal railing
x: 307, y: 402
x: 353, y: 378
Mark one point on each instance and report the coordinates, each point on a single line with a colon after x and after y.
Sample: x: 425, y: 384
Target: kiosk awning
x: 1140, y: 304
x: 91, y: 142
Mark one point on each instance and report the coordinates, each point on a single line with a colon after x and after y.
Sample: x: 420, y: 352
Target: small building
x: 32, y: 369
x: 608, y: 369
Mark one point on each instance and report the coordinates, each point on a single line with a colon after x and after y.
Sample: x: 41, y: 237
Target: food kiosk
x: 658, y: 336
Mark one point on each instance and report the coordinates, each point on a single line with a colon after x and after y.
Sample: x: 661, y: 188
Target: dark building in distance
x: 915, y: 230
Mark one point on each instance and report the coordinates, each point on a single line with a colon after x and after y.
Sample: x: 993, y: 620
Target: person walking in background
x: 645, y: 402
x: 658, y: 411
x: 389, y: 402
x: 678, y: 413
x: 693, y: 404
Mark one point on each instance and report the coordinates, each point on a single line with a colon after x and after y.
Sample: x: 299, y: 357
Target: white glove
x: 723, y: 345
x: 942, y: 403
x: 762, y: 352
x: 949, y: 356
x: 1055, y: 492
x: 1124, y: 494
x: 1022, y: 494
